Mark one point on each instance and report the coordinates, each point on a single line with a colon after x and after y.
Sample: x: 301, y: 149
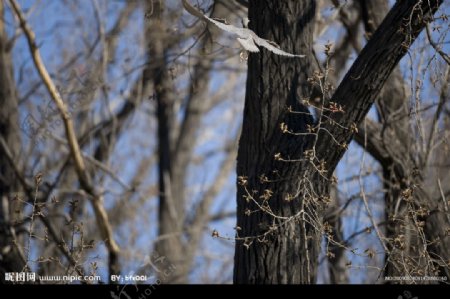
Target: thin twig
x: 436, y: 47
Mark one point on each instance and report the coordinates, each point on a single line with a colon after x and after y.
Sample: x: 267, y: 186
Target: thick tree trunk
x: 280, y: 201
x: 277, y: 246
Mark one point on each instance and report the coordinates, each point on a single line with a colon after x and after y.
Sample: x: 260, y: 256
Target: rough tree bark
x: 280, y: 202
x: 275, y: 250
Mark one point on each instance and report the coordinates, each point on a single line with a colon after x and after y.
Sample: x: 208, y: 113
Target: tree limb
x: 80, y: 167
x: 363, y: 82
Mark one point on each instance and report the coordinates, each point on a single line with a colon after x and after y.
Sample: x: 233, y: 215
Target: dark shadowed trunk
x: 277, y: 248
x: 284, y: 176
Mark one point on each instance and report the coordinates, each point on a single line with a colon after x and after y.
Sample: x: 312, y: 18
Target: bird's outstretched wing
x: 274, y: 49
x: 246, y: 37
x: 225, y: 27
x: 241, y: 32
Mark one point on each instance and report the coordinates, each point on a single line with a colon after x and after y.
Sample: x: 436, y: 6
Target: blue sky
x: 53, y: 23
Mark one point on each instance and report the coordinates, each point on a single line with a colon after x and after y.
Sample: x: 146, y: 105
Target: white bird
x: 246, y: 37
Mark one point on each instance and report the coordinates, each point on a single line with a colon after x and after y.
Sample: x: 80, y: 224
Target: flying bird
x: 245, y: 36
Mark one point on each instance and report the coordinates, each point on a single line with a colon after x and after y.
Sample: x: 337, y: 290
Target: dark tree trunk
x: 276, y: 250
x: 280, y: 202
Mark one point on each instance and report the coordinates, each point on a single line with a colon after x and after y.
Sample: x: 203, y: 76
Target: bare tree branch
x: 100, y: 213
